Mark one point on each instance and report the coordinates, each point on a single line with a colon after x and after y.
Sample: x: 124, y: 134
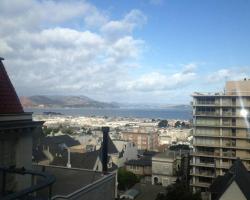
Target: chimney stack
x: 105, y: 131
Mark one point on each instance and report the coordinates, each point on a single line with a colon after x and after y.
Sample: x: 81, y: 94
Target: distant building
x: 142, y: 138
x: 47, y: 148
x: 127, y: 151
x: 90, y: 160
x: 234, y: 184
x: 164, y: 168
x: 221, y: 132
x: 141, y: 167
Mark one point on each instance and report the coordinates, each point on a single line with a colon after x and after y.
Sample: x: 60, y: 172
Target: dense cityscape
x: 135, y: 100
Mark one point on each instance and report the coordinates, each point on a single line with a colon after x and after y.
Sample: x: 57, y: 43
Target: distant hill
x: 178, y: 107
x: 44, y: 101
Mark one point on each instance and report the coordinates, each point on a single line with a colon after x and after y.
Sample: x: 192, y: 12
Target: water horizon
x: 149, y: 113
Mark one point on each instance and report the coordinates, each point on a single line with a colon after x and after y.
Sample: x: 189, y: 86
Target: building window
x: 156, y: 180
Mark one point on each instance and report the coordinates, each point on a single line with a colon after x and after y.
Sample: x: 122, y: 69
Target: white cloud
x: 72, y: 47
x: 222, y: 75
x: 118, y: 28
x: 156, y: 81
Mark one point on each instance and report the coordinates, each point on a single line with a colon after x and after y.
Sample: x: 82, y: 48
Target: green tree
x: 46, y: 130
x: 89, y: 132
x: 178, y: 191
x: 183, y: 125
x: 163, y: 124
x: 126, y: 179
x: 177, y: 124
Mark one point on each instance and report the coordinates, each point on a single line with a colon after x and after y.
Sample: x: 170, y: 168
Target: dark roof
x: 111, y: 147
x: 68, y: 180
x: 80, y: 160
x: 9, y: 101
x: 77, y: 160
x: 140, y: 162
x: 146, y: 153
x: 237, y: 173
x: 60, y: 139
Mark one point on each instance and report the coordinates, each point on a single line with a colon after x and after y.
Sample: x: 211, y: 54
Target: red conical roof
x: 9, y: 101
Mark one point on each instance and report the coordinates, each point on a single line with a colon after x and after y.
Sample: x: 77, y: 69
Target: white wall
x: 233, y: 192
x: 130, y: 151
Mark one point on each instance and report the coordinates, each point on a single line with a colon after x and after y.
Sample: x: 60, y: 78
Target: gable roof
x: 9, y: 101
x: 60, y: 139
x: 111, y: 147
x: 237, y: 173
x: 77, y: 160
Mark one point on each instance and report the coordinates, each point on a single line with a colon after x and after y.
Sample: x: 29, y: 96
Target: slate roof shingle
x: 77, y: 160
x: 60, y: 139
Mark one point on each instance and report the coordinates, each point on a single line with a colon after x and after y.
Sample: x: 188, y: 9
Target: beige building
x: 143, y: 139
x: 221, y: 132
x: 141, y: 167
x: 164, y: 167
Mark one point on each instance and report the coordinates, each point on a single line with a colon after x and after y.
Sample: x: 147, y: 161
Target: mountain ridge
x: 61, y: 101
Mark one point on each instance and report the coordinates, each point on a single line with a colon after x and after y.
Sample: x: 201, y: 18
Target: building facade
x: 140, y: 167
x: 143, y: 139
x: 16, y: 131
x: 127, y: 151
x: 165, y: 166
x: 221, y: 132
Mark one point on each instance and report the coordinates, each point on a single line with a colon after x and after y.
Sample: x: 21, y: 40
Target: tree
x: 46, y: 131
x: 126, y: 179
x: 178, y: 191
x: 89, y: 132
x: 163, y: 124
x: 177, y: 124
x: 183, y: 125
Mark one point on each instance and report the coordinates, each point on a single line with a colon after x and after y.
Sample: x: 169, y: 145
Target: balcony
x: 202, y: 113
x: 206, y: 103
x: 45, y: 184
x: 207, y: 174
x: 225, y: 165
x: 204, y: 134
x: 229, y: 154
x: 229, y: 114
x: 211, y: 144
x: 207, y: 122
x: 200, y: 184
x: 206, y: 154
x: 202, y: 164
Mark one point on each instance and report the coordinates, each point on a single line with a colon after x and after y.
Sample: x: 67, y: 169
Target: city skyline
x: 124, y: 51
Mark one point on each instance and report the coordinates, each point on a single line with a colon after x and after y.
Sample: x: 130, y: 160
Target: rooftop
x: 144, y: 161
x: 73, y: 180
x: 232, y: 88
x: 9, y: 101
x: 237, y: 173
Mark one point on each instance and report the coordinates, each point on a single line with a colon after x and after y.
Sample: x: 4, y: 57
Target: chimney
x: 105, y: 131
x: 68, y: 163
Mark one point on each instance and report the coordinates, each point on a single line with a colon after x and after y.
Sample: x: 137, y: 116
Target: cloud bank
x: 72, y: 47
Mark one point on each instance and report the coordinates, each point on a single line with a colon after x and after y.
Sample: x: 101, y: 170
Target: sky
x: 134, y: 51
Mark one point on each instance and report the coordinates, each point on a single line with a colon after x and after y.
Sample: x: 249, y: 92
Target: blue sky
x: 148, y: 51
